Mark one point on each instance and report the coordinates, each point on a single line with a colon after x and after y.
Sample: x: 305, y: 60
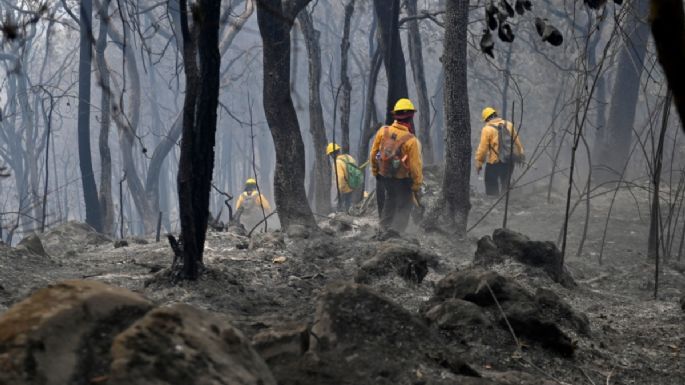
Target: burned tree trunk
x: 90, y: 194
x: 457, y: 120
x: 345, y: 80
x: 622, y: 109
x: 668, y: 28
x: 105, y: 196
x: 388, y: 13
x: 416, y: 58
x: 321, y: 178
x: 275, y: 19
x: 196, y: 164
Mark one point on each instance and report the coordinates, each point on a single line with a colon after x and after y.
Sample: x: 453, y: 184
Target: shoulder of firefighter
x: 489, y: 142
x: 341, y: 172
x: 410, y: 152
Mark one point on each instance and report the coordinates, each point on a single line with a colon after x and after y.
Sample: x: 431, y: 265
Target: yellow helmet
x: 404, y: 104
x: 331, y: 148
x: 487, y: 112
x: 251, y: 181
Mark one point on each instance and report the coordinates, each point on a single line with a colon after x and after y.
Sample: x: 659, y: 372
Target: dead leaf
x: 280, y: 259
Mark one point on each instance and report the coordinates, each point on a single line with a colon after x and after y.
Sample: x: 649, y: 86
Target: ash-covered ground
x: 343, y: 307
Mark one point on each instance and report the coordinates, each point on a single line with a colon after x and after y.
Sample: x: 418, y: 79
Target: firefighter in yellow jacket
x: 250, y: 201
x: 397, y: 164
x: 342, y: 183
x: 498, y: 167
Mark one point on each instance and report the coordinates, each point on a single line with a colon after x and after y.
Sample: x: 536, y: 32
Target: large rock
x: 62, y: 334
x: 454, y: 314
x: 539, y: 318
x: 33, y: 244
x: 472, y: 285
x: 406, y: 260
x: 72, y: 237
x: 379, y: 340
x: 179, y: 345
x: 542, y: 255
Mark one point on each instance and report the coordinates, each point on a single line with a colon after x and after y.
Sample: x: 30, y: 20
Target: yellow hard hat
x: 404, y: 104
x: 331, y: 148
x: 487, y: 112
x: 251, y: 181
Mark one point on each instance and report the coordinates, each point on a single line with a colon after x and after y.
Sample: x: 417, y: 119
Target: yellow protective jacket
x: 412, y: 149
x: 489, y: 142
x: 341, y: 164
x: 254, y: 199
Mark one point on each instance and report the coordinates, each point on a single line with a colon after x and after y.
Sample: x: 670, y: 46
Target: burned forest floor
x: 345, y: 306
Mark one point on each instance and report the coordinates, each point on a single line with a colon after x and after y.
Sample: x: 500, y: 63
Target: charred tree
x: 416, y: 59
x: 90, y: 194
x: 667, y: 19
x: 275, y: 19
x: 388, y: 12
x: 196, y: 164
x: 346, y: 91
x: 455, y: 185
x: 622, y: 109
x: 321, y: 177
x: 105, y: 196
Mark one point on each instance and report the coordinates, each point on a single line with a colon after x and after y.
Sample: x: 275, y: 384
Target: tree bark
x: 275, y: 19
x: 416, y: 59
x: 90, y: 194
x: 346, y: 91
x: 388, y: 12
x: 668, y: 28
x: 457, y: 119
x: 105, y: 196
x: 626, y: 90
x: 199, y: 129
x: 321, y: 177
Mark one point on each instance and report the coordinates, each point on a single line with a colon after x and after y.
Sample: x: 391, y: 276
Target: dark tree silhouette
x: 275, y: 19
x: 196, y: 163
x: 457, y: 119
x: 90, y: 193
x: 388, y: 12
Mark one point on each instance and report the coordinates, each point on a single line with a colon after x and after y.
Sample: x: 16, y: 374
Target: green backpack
x: 355, y: 176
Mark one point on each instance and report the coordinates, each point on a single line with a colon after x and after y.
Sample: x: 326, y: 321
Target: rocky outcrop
x: 63, y: 332
x: 406, y: 260
x: 180, y: 344
x: 33, y: 244
x: 84, y: 332
x: 541, y: 317
x: 536, y: 254
x: 378, y: 340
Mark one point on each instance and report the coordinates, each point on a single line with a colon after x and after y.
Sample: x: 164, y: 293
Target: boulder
x: 180, y: 344
x: 487, y: 252
x: 61, y: 334
x: 538, y: 318
x: 33, y: 244
x: 454, y: 314
x: 543, y: 255
x: 290, y: 340
x: 470, y: 285
x: 551, y: 303
x: 72, y: 236
x: 379, y: 340
x: 406, y: 260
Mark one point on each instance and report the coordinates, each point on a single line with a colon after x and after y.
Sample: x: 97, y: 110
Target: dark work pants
x: 380, y: 195
x: 497, y: 178
x: 345, y: 201
x: 398, y: 204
